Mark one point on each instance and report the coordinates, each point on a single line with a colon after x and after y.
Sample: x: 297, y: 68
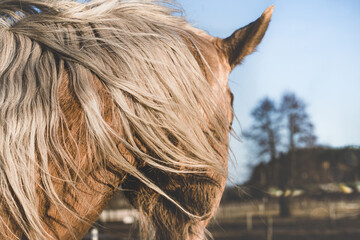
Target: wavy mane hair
x: 101, y: 85
x: 106, y: 93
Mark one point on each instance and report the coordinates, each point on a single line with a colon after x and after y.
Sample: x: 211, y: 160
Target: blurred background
x: 295, y: 174
x: 311, y: 49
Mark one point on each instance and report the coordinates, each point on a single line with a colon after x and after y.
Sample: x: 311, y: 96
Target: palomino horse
x: 104, y: 94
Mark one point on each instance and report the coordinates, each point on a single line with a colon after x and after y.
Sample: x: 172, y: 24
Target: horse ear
x: 244, y: 40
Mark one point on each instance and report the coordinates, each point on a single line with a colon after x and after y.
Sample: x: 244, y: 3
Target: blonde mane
x: 132, y: 68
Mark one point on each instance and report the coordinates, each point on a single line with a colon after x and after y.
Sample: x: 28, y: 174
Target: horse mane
x: 133, y: 68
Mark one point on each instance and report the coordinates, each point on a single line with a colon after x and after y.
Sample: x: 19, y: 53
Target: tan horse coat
x: 110, y: 93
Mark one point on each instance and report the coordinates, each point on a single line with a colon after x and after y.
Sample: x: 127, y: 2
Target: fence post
x: 332, y: 212
x: 269, y: 232
x: 249, y: 221
x: 94, y: 234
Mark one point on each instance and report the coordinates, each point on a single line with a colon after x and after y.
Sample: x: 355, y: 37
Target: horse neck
x: 87, y: 196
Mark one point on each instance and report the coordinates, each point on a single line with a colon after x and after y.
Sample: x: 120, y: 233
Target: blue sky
x: 311, y: 48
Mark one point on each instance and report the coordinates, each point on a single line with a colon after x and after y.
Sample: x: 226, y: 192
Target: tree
x: 270, y: 122
x: 265, y: 131
x: 300, y: 129
x: 300, y: 132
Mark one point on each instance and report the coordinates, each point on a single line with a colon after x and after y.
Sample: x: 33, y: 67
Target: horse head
x: 104, y: 94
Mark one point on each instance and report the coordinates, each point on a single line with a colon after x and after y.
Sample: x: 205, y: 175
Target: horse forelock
x: 107, y: 84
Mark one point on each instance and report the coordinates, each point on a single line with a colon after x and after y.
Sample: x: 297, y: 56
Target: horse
x: 106, y: 94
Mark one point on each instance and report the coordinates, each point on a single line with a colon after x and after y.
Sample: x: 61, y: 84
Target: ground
x: 312, y: 220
